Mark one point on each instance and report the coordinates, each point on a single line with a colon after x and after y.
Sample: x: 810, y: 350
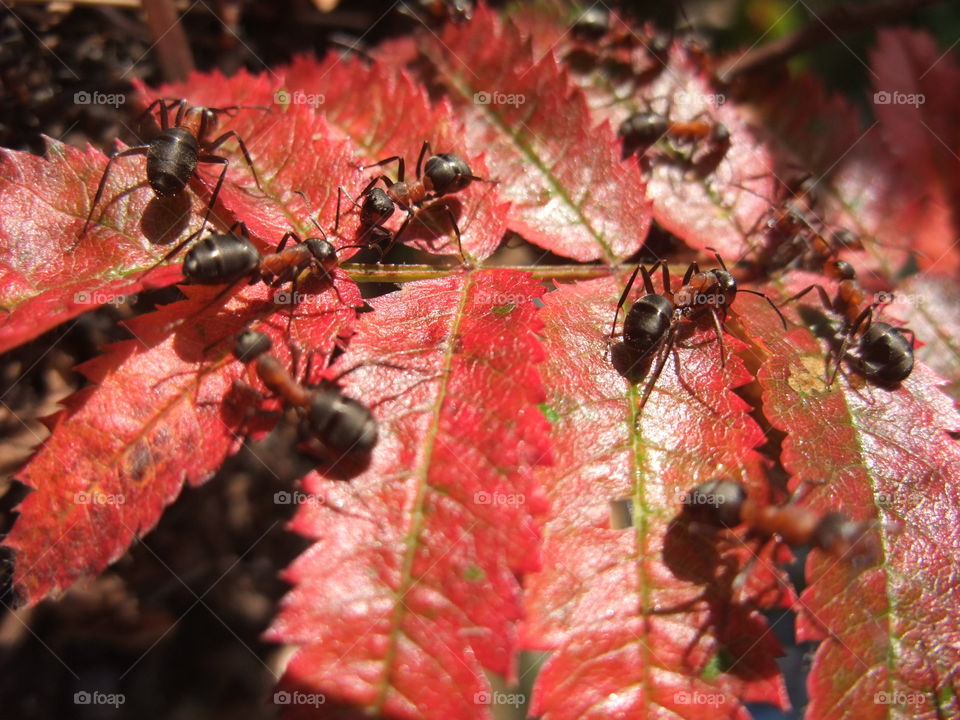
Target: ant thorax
x: 199, y: 120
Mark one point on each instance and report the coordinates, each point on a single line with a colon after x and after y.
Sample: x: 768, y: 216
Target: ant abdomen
x: 642, y: 129
x: 649, y: 318
x: 220, y: 259
x: 344, y: 424
x: 448, y: 173
x: 171, y: 160
x: 885, y: 353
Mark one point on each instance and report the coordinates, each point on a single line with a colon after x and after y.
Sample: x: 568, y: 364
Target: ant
x: 173, y: 155
x: 883, y: 354
x: 342, y: 425
x: 656, y: 318
x: 643, y: 129
x: 721, y: 503
x: 443, y: 174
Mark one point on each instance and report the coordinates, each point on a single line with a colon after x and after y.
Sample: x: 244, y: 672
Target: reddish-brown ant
x: 708, y: 141
x: 723, y: 504
x: 883, y: 354
x: 340, y: 424
x: 443, y: 174
x: 173, y: 155
x: 655, y: 319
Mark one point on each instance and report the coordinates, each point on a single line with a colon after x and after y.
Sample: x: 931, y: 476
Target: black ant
x: 721, y: 503
x: 642, y: 130
x: 655, y: 319
x: 883, y: 354
x: 173, y: 155
x: 342, y: 425
x: 443, y: 174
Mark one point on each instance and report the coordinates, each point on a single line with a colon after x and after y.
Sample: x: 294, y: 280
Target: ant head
x: 717, y: 503
x: 250, y: 345
x: 447, y: 173
x: 885, y: 353
x: 377, y: 207
x: 643, y: 128
x: 342, y: 424
x: 840, y: 269
x: 323, y: 251
x: 726, y: 283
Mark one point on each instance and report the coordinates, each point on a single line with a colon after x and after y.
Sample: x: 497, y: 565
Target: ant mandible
x: 884, y: 354
x: 443, y: 174
x: 342, y: 425
x: 722, y: 503
x: 655, y: 319
x: 173, y: 155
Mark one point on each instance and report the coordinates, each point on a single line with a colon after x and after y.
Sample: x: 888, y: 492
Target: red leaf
x: 393, y: 116
x: 869, y: 452
x: 570, y: 194
x: 403, y: 601
x: 122, y: 450
x: 925, y: 303
x: 627, y: 608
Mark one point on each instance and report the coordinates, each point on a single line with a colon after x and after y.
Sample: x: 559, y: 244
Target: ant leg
x: 283, y: 241
x: 693, y: 268
x: 424, y: 149
x: 181, y: 111
x: 718, y: 328
x: 666, y: 282
x: 216, y: 190
x: 243, y: 148
x: 668, y: 344
x: 456, y: 230
x: 716, y: 254
x: 164, y: 119
x: 346, y: 192
x: 769, y: 302
x: 138, y: 150
x: 824, y: 298
x: 387, y: 161
x: 626, y: 291
x: 866, y: 314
